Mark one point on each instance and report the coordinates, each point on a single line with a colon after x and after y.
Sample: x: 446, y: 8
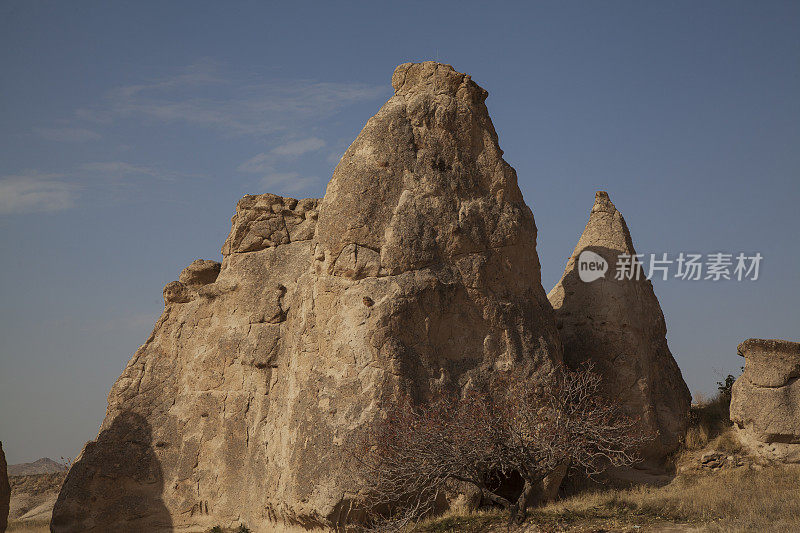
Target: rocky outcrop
x: 5, y: 491
x: 44, y: 465
x: 765, y: 400
x: 416, y: 272
x: 33, y: 497
x: 617, y: 325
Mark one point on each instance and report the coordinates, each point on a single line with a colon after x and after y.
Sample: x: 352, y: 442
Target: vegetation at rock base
x: 513, y: 425
x: 739, y: 500
x: 752, y: 498
x: 709, y: 418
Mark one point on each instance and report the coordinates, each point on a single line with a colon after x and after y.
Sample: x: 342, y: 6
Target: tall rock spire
x: 618, y: 326
x: 416, y: 272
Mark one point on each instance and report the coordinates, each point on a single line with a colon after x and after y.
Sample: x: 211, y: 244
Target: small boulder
x: 200, y: 272
x: 176, y: 292
x: 765, y: 399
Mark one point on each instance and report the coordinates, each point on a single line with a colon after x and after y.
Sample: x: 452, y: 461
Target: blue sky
x: 128, y: 130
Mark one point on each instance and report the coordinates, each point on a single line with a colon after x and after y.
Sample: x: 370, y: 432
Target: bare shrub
x: 509, y: 425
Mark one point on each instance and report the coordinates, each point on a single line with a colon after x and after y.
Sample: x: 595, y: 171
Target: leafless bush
x: 510, y: 425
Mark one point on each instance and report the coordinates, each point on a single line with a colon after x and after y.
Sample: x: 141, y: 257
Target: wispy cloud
x: 298, y: 148
x: 287, y: 152
x: 118, y: 170
x: 32, y: 192
x: 334, y: 157
x: 268, y: 163
x: 202, y: 95
x: 206, y: 96
x: 74, y: 135
x: 288, y: 182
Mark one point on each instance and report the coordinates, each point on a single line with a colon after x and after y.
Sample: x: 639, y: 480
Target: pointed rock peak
x: 618, y: 326
x: 424, y: 182
x: 438, y: 78
x: 606, y: 227
x: 603, y: 203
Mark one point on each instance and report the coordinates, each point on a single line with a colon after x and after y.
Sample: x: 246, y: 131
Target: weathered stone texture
x: 268, y: 220
x: 418, y: 271
x: 765, y: 400
x: 618, y: 326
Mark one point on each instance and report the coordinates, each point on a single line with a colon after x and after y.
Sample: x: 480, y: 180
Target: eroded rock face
x: 618, y: 326
x: 5, y: 490
x: 765, y: 400
x: 183, y: 442
x: 417, y: 272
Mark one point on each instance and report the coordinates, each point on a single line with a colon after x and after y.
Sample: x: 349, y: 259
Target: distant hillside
x: 40, y: 466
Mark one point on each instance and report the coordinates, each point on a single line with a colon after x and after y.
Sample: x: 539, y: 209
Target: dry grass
x: 475, y: 522
x: 728, y: 500
x: 28, y: 527
x: 708, y: 419
x: 725, y: 500
x: 738, y: 500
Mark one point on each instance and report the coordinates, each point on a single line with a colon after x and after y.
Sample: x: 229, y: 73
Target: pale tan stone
x: 417, y: 272
x: 765, y: 399
x: 618, y: 326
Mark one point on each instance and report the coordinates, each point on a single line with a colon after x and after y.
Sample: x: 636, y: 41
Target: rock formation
x: 618, y: 326
x: 33, y: 497
x: 765, y: 400
x: 416, y: 272
x: 5, y: 491
x: 44, y: 465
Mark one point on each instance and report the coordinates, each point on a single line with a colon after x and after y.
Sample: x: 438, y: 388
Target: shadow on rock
x: 116, y: 485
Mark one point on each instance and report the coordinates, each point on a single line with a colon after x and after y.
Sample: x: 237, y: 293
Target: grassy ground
x: 732, y: 500
x: 727, y: 500
x: 741, y: 499
x: 16, y: 527
x: 737, y: 500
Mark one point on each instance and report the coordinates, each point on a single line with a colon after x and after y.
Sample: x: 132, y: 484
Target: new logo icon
x: 591, y: 266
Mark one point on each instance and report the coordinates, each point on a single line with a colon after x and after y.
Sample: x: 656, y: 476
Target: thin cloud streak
x: 72, y: 135
x: 288, y: 182
x: 35, y: 192
x: 117, y: 170
x: 199, y: 95
x: 290, y: 151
